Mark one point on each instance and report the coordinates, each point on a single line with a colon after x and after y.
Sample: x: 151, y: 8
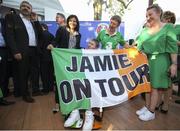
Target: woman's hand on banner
x: 126, y: 45
x: 18, y: 56
x: 50, y: 47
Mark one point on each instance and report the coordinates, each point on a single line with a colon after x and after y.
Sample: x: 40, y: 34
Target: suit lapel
x: 23, y: 25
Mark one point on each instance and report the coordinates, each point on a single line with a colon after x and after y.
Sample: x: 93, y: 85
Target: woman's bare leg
x: 148, y: 99
x: 154, y: 99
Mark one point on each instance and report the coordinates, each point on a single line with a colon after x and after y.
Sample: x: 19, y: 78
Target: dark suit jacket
x: 6, y: 52
x: 62, y: 38
x: 46, y: 39
x: 18, y: 39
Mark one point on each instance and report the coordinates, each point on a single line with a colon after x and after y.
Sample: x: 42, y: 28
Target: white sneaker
x: 55, y: 110
x: 141, y: 111
x: 74, y: 116
x: 89, y: 121
x: 147, y: 116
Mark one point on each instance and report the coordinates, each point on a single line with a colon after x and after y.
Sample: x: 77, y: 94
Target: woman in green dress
x: 158, y: 42
x: 163, y: 103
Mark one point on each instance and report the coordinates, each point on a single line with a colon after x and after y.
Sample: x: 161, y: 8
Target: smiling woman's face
x: 152, y: 16
x: 72, y: 23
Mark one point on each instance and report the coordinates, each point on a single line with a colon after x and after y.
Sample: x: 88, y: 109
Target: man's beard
x: 25, y: 13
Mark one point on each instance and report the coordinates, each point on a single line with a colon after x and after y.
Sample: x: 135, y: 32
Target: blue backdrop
x: 88, y: 29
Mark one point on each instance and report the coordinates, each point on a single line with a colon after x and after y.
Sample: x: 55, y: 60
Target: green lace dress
x: 158, y: 48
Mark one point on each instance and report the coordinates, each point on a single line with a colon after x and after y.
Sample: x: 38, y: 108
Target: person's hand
x: 173, y: 70
x: 18, y: 56
x: 134, y: 44
x: 50, y: 47
x: 127, y: 46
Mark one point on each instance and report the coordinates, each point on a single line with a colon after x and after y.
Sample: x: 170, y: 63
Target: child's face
x: 92, y: 45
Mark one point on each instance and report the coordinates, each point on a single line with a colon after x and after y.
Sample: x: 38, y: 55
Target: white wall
x: 171, y: 5
x: 135, y: 18
x: 50, y: 14
x: 80, y: 8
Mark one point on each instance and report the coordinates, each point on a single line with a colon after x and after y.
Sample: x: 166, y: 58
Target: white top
x: 30, y: 31
x: 2, y: 42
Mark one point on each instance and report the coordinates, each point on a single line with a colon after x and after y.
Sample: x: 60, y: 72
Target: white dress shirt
x: 2, y: 42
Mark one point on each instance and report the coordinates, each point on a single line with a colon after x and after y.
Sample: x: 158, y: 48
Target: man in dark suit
x: 3, y: 59
x: 23, y: 34
x: 46, y: 63
x: 3, y: 66
x: 6, y: 69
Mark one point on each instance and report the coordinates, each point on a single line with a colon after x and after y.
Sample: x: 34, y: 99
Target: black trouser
x: 4, y: 71
x: 47, y: 75
x: 34, y: 67
x: 21, y: 76
x: 56, y: 96
x: 27, y: 69
x: 16, y: 80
